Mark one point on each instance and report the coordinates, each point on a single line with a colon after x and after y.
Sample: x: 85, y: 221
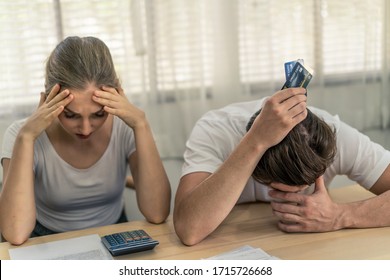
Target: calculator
x: 128, y: 242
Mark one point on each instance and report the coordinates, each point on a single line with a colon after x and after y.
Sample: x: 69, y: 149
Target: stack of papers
x: 87, y: 247
x: 244, y: 253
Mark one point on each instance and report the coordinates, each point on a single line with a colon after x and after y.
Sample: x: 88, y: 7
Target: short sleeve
x: 209, y: 145
x: 361, y: 159
x: 125, y: 136
x: 9, y: 139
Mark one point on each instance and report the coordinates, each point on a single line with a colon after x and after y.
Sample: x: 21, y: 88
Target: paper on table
x: 87, y: 247
x: 244, y: 253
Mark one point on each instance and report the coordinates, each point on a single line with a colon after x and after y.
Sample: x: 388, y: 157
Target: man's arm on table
x: 318, y: 213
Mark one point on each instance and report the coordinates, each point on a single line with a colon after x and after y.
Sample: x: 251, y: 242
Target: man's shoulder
x: 231, y: 119
x: 240, y: 110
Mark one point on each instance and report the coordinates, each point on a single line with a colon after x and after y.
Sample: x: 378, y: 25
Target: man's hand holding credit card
x: 297, y: 74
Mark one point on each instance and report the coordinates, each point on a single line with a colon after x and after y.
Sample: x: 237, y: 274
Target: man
x: 224, y: 165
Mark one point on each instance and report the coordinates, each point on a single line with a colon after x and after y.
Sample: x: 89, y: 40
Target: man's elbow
x: 187, y: 234
x: 189, y: 240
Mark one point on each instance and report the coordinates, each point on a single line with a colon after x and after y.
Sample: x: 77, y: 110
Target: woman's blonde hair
x: 77, y: 61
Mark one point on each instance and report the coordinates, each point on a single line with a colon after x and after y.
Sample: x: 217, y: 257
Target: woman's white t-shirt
x: 69, y: 198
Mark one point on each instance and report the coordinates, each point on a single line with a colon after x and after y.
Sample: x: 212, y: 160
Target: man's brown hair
x: 301, y: 157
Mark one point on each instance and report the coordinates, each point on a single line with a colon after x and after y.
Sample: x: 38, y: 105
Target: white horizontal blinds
x: 386, y: 15
x: 352, y: 35
x: 271, y: 33
x: 183, y: 47
x: 110, y: 21
x: 387, y: 21
x: 385, y: 96
x: 27, y: 35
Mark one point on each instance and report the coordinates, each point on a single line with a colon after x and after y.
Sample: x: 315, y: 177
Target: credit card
x: 300, y: 76
x: 288, y: 67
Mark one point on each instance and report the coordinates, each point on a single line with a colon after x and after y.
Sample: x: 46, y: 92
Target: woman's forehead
x: 83, y: 102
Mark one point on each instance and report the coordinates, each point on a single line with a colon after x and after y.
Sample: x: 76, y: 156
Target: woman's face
x: 82, y: 117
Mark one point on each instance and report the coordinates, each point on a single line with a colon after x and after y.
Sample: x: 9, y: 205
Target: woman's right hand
x: 49, y: 108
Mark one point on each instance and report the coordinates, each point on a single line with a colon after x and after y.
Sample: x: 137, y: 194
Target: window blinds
x: 27, y: 35
x: 334, y: 37
x: 271, y: 33
x: 166, y: 46
x: 110, y: 21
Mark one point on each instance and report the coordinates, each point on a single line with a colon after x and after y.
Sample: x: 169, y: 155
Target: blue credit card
x: 288, y: 67
x: 300, y: 76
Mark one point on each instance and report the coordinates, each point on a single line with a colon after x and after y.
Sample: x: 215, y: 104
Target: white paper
x: 87, y: 247
x: 244, y: 253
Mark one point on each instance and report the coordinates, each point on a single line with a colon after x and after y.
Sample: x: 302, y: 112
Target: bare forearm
x: 203, y: 210
x: 368, y: 213
x: 17, y: 203
x: 152, y: 186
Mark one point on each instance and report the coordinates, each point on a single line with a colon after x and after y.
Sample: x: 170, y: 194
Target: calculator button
x: 118, y: 239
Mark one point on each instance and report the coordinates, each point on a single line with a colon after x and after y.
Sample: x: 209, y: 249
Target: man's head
x: 301, y: 157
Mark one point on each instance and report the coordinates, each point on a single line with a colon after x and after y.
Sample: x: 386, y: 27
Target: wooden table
x: 251, y: 224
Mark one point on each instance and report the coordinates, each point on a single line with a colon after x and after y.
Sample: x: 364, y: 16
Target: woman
x: 65, y: 166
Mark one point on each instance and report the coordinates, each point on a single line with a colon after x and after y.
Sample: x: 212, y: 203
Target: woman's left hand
x: 116, y: 103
